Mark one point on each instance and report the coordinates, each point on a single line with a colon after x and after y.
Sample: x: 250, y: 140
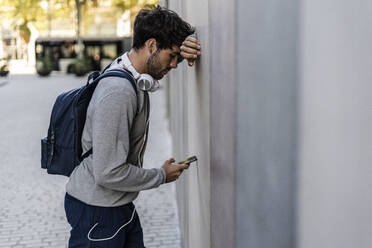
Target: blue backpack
x: 61, y: 150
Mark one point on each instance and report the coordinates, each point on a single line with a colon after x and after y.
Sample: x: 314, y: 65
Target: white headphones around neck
x: 145, y: 82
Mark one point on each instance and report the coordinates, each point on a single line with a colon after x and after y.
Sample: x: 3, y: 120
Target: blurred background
x: 57, y: 34
x: 278, y: 110
x: 48, y: 47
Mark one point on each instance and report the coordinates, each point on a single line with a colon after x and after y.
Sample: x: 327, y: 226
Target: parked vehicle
x: 100, y: 51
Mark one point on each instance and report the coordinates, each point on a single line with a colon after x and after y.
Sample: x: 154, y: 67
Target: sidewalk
x: 31, y: 201
x: 20, y: 66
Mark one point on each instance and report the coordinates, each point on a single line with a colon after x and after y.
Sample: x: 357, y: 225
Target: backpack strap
x: 118, y: 73
x: 85, y: 155
x: 93, y: 76
x: 112, y: 73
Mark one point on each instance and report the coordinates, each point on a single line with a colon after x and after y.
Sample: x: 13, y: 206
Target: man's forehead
x: 176, y: 49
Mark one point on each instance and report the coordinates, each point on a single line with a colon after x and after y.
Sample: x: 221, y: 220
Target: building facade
x: 277, y: 110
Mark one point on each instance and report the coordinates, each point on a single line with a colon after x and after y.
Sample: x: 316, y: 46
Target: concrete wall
x: 279, y: 112
x: 266, y: 129
x: 227, y: 110
x: 336, y: 118
x: 223, y: 122
x: 189, y: 112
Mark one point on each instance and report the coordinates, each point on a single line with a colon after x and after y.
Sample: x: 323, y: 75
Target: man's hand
x: 190, y: 50
x: 173, y: 171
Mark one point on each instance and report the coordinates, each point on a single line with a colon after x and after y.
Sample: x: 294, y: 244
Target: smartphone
x: 188, y: 160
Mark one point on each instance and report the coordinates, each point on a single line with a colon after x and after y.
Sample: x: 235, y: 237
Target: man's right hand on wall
x: 190, y: 50
x: 173, y: 171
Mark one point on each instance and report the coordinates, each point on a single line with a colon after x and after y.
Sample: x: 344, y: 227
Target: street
x: 31, y: 201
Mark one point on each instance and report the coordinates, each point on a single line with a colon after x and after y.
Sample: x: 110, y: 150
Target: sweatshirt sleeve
x: 111, y: 122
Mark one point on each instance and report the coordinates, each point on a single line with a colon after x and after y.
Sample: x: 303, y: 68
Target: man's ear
x: 151, y: 45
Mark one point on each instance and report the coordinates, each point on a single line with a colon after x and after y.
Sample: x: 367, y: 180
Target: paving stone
x: 31, y: 201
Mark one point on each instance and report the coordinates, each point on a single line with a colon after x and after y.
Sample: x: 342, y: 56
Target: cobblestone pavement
x: 31, y: 201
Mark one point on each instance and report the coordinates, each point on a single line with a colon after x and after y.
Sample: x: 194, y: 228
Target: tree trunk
x: 31, y: 56
x: 1, y: 42
x: 49, y: 15
x: 79, y: 41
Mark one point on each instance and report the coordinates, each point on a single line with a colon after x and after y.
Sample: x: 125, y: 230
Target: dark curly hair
x: 162, y: 24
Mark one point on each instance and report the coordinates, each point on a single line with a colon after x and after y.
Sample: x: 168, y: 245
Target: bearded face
x: 154, y: 66
x: 162, y: 61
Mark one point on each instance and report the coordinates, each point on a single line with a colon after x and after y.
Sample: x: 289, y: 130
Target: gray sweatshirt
x: 116, y: 127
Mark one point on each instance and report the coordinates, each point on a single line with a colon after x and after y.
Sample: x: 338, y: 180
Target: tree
x: 78, y: 17
x: 24, y: 12
x: 133, y: 6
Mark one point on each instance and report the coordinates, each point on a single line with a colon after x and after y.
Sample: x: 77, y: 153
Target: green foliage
x: 134, y: 6
x: 25, y: 11
x: 44, y: 66
x: 4, y: 65
x: 25, y: 32
x: 4, y: 69
x: 23, y: 27
x: 124, y: 5
x: 22, y: 12
x: 82, y: 66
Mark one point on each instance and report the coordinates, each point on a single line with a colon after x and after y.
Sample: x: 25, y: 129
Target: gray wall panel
x: 336, y: 119
x: 193, y: 110
x: 266, y: 123
x: 222, y: 121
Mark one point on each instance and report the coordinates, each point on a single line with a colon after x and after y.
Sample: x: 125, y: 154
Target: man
x: 100, y: 192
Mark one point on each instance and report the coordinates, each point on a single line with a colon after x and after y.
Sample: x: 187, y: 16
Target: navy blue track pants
x: 83, y: 217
